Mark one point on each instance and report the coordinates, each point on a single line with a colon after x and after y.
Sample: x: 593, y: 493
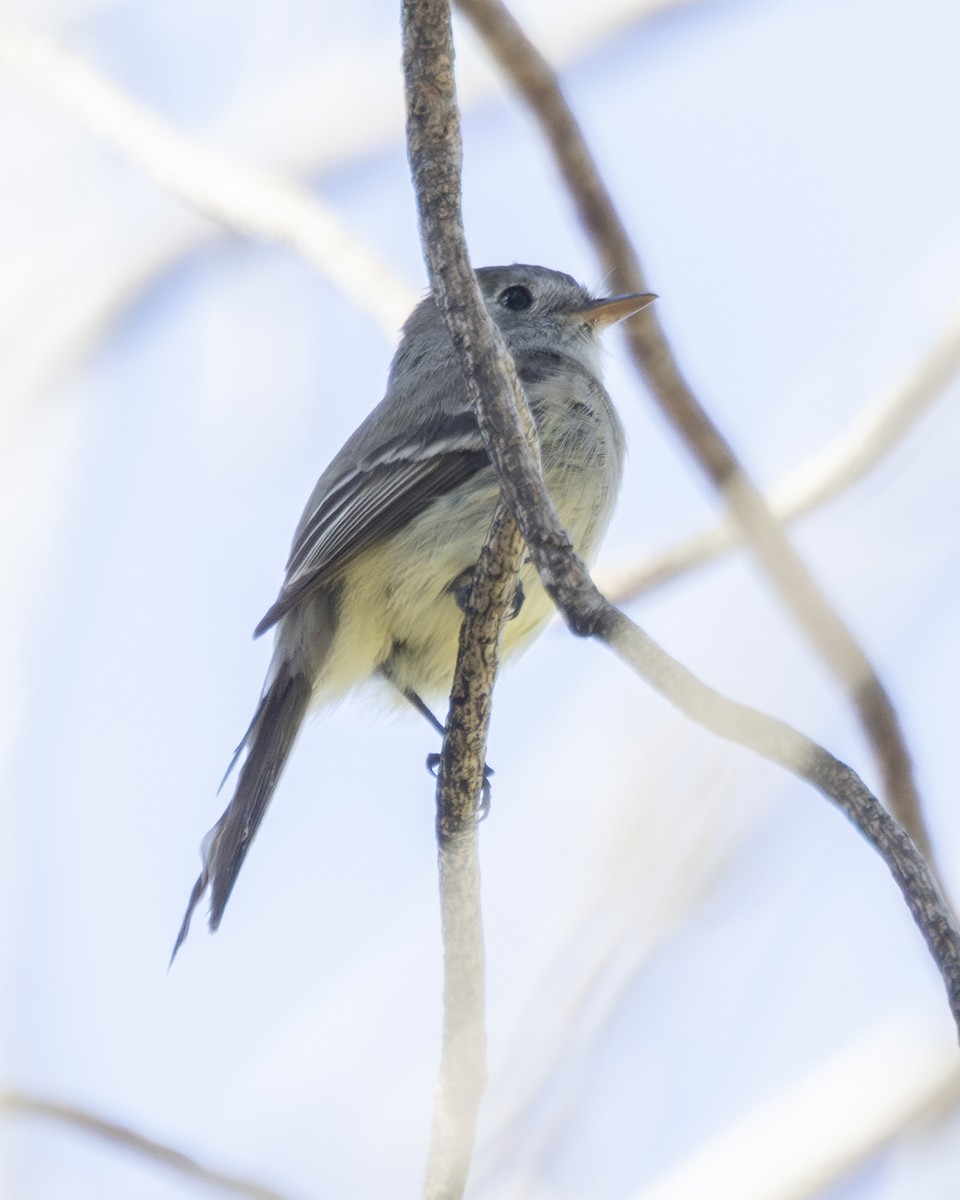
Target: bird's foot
x: 483, y: 808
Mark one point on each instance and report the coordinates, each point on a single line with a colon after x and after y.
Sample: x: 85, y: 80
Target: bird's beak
x: 611, y: 309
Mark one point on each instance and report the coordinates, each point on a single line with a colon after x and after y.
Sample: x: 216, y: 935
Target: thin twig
x: 657, y: 875
x: 585, y: 610
x: 462, y: 1076
x: 80, y: 1119
x: 462, y: 762
x: 435, y: 153
x: 54, y: 336
x: 804, y: 1139
x: 533, y: 77
x: 829, y: 472
x: 779, y: 743
x: 239, y: 195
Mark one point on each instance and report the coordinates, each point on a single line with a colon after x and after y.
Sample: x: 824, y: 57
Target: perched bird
x: 382, y: 560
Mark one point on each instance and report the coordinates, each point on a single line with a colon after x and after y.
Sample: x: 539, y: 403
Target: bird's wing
x: 373, y: 499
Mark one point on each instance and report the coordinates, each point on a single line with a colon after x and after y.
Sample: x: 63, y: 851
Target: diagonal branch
x: 802, y: 1141
x: 239, y: 195
x: 533, y: 77
x: 435, y: 157
x: 23, y: 1104
x: 826, y: 474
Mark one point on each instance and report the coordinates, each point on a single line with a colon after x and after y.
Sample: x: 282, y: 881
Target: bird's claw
x: 483, y: 808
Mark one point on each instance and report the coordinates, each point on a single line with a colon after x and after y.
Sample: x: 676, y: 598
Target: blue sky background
x: 676, y: 932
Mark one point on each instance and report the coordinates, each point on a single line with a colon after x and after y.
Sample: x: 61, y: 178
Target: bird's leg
x: 423, y: 709
x: 433, y: 760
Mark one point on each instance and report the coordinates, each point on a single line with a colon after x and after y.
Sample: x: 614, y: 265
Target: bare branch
x: 533, y: 77
x: 282, y: 124
x: 429, y: 55
x: 819, y: 1128
x: 435, y: 153
x: 801, y: 756
x: 654, y: 873
x: 462, y: 1075
x: 23, y: 1104
x: 243, y: 197
x: 464, y: 746
x: 828, y: 473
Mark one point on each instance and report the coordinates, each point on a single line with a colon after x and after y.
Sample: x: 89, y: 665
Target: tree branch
x: 462, y: 1075
x: 428, y: 62
x: 800, y: 1142
x: 533, y: 77
x: 826, y: 474
x: 435, y: 153
x: 23, y: 1104
x: 239, y: 195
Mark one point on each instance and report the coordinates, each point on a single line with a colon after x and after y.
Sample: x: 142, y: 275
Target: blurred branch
x: 585, y: 610
x: 80, y: 1119
x: 462, y: 1076
x: 812, y: 1134
x: 61, y: 320
x: 838, y: 466
x: 589, y: 613
x: 655, y: 873
x: 281, y: 125
x: 534, y: 78
x: 252, y: 201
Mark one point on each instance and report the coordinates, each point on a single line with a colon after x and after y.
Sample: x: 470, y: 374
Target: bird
x: 380, y: 569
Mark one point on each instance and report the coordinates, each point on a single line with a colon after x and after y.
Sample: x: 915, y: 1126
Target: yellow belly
x: 396, y: 600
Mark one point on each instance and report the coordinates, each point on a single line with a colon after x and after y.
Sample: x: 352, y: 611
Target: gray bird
x: 382, y: 559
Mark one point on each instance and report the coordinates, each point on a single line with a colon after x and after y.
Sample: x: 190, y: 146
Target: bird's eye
x: 516, y: 298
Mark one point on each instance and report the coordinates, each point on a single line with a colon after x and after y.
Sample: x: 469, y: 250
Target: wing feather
x: 371, y: 501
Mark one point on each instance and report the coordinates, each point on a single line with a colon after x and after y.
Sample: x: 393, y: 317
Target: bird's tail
x: 267, y: 742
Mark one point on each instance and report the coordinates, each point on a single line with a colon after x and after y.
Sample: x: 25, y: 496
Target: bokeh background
x: 701, y: 981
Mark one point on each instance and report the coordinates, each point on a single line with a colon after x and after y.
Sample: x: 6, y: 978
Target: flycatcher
x: 382, y: 560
